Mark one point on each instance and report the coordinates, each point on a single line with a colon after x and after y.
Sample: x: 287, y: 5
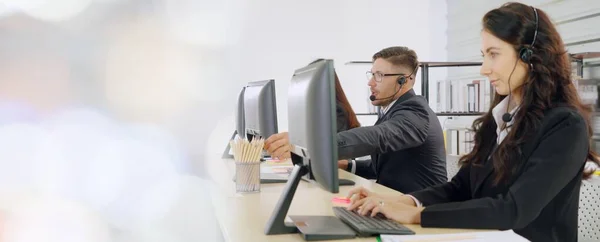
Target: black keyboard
x: 366, y: 226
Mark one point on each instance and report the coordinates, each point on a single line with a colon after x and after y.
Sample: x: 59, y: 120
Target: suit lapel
x: 483, y: 172
x: 379, y: 118
x: 404, y: 97
x: 482, y: 175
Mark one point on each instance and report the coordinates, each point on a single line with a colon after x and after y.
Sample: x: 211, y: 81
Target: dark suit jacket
x: 539, y: 202
x: 406, y: 146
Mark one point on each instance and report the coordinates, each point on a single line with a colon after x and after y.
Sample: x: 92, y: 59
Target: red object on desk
x: 341, y: 200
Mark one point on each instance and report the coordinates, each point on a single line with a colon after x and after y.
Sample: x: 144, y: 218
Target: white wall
x: 281, y: 36
x: 576, y: 21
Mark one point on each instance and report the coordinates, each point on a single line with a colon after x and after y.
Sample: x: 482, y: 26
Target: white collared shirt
x: 387, y: 108
x: 498, y: 112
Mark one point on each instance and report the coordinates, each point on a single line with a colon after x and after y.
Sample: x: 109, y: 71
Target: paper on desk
x: 276, y: 169
x: 492, y: 236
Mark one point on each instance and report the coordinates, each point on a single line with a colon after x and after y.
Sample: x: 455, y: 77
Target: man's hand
x: 343, y: 164
x: 278, y: 146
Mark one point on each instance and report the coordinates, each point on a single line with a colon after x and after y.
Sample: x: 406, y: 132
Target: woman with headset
x: 526, y: 168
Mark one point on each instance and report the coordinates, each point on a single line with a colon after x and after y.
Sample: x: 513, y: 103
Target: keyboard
x: 366, y: 226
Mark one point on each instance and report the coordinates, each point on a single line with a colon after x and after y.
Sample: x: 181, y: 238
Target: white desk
x: 243, y: 217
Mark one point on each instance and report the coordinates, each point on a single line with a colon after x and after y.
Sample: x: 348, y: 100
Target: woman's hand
x: 402, y: 209
x: 358, y: 193
x: 395, y: 210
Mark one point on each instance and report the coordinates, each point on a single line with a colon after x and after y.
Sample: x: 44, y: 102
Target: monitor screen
x: 239, y: 115
x: 260, y: 109
x: 312, y: 122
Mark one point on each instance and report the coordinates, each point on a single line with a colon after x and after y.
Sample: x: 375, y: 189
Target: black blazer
x: 541, y: 199
x: 406, y: 146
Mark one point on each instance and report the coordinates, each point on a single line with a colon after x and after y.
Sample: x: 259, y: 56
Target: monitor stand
x: 276, y: 223
x: 342, y: 182
x: 311, y: 227
x: 226, y: 154
x: 346, y: 182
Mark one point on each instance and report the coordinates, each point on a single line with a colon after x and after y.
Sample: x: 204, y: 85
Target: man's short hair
x: 399, y: 56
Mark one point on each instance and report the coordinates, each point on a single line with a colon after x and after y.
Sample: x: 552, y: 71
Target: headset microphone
x: 507, y: 117
x: 373, y: 98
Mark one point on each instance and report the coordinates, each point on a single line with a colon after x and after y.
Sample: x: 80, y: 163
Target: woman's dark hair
x: 340, y: 98
x: 548, y: 84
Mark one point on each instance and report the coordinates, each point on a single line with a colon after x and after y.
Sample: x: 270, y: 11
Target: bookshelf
x: 458, y: 139
x: 425, y: 66
x: 588, y: 89
x: 579, y: 58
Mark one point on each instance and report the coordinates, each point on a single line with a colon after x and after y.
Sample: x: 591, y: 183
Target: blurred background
x: 103, y: 107
x: 107, y: 106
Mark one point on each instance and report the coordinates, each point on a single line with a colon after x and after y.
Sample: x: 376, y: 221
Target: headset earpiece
x: 401, y: 80
x: 525, y: 53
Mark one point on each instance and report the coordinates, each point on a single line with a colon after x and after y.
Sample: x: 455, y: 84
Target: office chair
x: 452, y: 166
x: 589, y: 211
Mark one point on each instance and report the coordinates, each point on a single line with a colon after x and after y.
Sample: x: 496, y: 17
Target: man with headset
x: 406, y: 143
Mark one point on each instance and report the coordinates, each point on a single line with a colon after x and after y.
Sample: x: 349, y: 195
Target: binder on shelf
x: 471, y: 98
x: 452, y: 141
x: 478, y: 103
x: 451, y: 97
x: 459, y: 141
x: 463, y: 97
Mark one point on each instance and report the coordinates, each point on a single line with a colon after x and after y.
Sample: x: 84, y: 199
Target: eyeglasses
x: 379, y: 76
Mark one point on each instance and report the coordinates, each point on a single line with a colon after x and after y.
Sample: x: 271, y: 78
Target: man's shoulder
x: 414, y: 104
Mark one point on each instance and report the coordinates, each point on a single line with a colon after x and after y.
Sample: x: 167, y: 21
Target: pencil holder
x: 247, y: 176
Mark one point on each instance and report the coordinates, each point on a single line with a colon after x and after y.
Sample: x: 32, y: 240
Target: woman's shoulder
x: 562, y: 114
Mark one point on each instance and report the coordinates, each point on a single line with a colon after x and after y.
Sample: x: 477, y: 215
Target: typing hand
x: 278, y: 146
x: 358, y: 193
x: 394, y: 210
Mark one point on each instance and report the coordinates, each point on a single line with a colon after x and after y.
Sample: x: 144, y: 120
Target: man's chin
x: 377, y: 103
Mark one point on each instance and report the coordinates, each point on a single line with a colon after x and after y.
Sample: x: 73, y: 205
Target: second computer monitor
x: 240, y: 126
x: 260, y: 109
x: 312, y: 122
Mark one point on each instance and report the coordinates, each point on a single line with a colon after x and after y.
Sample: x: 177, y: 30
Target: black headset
x: 527, y: 51
x: 402, y: 79
x: 525, y: 54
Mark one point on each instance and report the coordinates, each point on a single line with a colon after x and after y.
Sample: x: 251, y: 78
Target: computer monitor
x: 312, y: 132
x: 239, y: 114
x: 260, y: 109
x: 312, y: 123
x: 240, y: 128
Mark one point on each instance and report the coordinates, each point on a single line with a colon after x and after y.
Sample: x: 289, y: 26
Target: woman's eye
x: 493, y: 54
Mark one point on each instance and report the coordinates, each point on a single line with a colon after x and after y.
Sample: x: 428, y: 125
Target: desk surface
x: 242, y: 217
